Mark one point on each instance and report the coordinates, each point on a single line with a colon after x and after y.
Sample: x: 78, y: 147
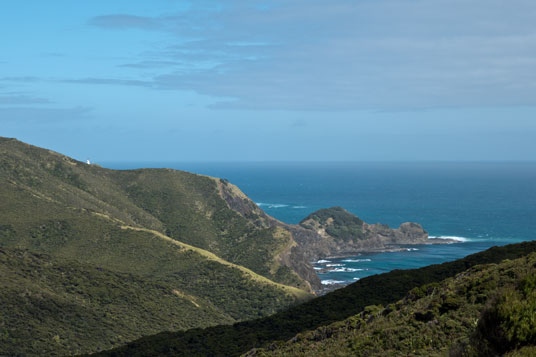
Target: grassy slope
x: 53, y: 306
x: 487, y: 310
x: 52, y: 204
x: 44, y: 225
x: 379, y: 289
x: 193, y: 211
x: 183, y: 206
x: 213, y: 257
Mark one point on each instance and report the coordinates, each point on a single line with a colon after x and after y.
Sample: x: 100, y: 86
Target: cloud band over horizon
x: 367, y: 79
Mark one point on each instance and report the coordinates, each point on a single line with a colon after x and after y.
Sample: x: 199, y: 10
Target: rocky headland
x: 328, y: 233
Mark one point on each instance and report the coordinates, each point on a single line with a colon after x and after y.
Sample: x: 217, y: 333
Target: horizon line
x: 321, y: 161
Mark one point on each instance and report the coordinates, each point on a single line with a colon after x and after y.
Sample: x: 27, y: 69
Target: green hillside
x: 339, y: 305
x: 53, y: 306
x: 488, y: 310
x: 186, y: 207
x: 92, y: 258
x: 99, y: 218
x: 337, y: 222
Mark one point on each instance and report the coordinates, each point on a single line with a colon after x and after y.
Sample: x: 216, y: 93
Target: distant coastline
x: 433, y: 241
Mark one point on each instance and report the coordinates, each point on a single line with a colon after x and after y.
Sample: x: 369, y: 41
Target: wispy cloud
x: 384, y: 54
x: 123, y: 21
x: 23, y: 79
x: 43, y: 115
x: 16, y: 99
x: 151, y: 64
x: 110, y: 81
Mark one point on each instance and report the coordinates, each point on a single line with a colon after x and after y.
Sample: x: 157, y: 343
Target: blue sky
x: 296, y: 80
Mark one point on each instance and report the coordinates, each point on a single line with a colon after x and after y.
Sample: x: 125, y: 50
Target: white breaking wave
x: 334, y: 265
x: 459, y: 239
x: 331, y: 282
x: 271, y: 205
x: 412, y: 249
x: 317, y: 268
x: 278, y: 205
x: 355, y: 278
x: 357, y: 260
x: 322, y: 261
x: 344, y: 270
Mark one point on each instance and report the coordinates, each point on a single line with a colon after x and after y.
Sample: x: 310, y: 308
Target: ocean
x: 480, y: 204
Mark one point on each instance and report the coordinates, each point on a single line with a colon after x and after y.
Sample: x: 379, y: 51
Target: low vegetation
x: 91, y: 258
x: 488, y: 310
x: 53, y: 306
x: 384, y: 289
x: 71, y: 211
x: 337, y: 222
x: 184, y: 206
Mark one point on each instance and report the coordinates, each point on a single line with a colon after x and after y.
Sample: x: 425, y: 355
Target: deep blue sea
x: 483, y: 204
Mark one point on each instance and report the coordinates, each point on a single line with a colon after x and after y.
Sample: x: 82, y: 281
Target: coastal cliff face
x: 290, y: 254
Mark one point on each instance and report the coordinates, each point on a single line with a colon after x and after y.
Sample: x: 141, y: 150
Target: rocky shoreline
x: 326, y: 288
x: 432, y: 241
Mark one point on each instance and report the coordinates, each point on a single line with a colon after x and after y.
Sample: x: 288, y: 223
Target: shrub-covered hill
x: 337, y: 222
x: 51, y: 306
x: 488, y: 310
x: 69, y: 210
x: 205, y: 212
x: 336, y: 306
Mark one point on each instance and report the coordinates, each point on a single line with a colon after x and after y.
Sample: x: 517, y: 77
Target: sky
x: 278, y: 80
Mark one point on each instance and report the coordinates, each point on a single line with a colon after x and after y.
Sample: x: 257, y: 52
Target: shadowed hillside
x: 488, y: 310
x: 336, y: 306
x: 64, y: 307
